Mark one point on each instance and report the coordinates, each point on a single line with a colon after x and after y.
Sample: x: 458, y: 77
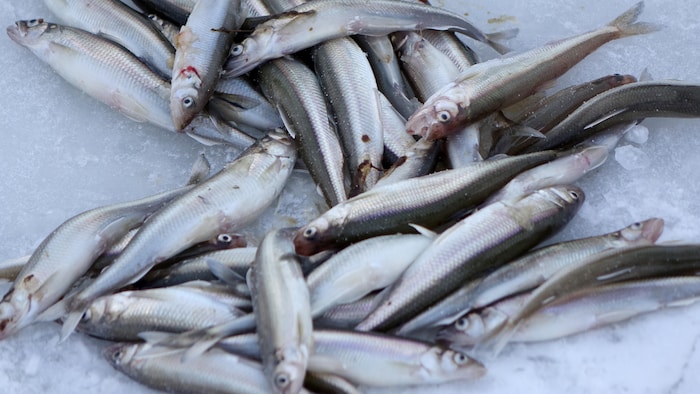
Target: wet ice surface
x: 63, y: 153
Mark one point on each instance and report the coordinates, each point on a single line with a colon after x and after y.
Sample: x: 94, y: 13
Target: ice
x: 638, y: 134
x: 631, y: 158
x: 63, y: 153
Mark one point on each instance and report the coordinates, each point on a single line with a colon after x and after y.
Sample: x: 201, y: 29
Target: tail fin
x: 492, y: 39
x: 627, y: 25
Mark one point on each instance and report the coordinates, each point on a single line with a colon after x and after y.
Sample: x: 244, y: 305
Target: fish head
x: 121, y: 355
x: 246, y: 55
x: 565, y: 196
x: 288, y: 374
x: 29, y: 32
x: 640, y: 233
x: 185, y: 97
x: 441, y: 364
x: 437, y: 118
x: 14, y: 312
x: 313, y: 238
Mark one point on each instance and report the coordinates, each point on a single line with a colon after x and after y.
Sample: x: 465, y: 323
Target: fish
x: 483, y: 241
x: 576, y: 312
x: 200, y: 52
x: 390, y: 80
x: 631, y: 102
x: 347, y: 80
x: 360, y: 268
x: 116, y: 21
x: 606, y: 267
x: 317, y: 21
x: 528, y: 271
x: 282, y: 312
x: 425, y: 67
x: 295, y: 90
x: 162, y: 368
x: 100, y: 68
x: 192, y: 305
x: 375, y: 359
x: 196, y: 268
x: 68, y: 252
x: 228, y: 200
x: 175, y: 10
x: 426, y: 201
x: 497, y: 83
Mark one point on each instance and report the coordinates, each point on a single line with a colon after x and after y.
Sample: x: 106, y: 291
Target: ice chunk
x: 638, y: 134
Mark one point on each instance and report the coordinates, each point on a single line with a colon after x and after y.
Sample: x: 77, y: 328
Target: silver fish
x: 201, y: 49
x: 425, y: 67
x: 622, y: 104
x: 192, y: 305
x: 317, y: 21
x: 175, y: 10
x: 196, y: 268
x: 162, y: 368
x: 427, y: 201
x: 228, y: 200
x: 361, y: 268
x: 282, y: 312
x: 606, y: 267
x: 116, y: 21
x: 488, y: 86
x: 486, y: 239
x: 390, y: 80
x: 100, y: 68
x: 67, y: 253
x: 383, y: 361
x: 295, y: 90
x: 376, y: 360
x: 529, y: 271
x: 576, y: 312
x: 562, y: 171
x: 347, y: 80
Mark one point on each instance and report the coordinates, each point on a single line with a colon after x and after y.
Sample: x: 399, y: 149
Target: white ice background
x: 63, y: 153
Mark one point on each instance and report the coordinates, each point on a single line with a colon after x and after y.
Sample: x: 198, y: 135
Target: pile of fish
x: 440, y: 173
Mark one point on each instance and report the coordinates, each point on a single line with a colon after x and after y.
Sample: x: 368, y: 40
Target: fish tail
x: 627, y: 22
x: 493, y: 39
x: 70, y: 323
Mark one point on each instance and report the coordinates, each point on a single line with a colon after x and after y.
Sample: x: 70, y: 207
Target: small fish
x: 482, y: 241
x: 200, y: 52
x: 427, y: 201
x: 317, y: 21
x: 282, y: 312
x: 122, y: 316
x: 491, y: 85
x: 226, y: 201
x: 162, y: 368
x: 116, y: 21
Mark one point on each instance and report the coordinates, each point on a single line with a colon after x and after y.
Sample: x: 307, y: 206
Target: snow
x: 63, y: 153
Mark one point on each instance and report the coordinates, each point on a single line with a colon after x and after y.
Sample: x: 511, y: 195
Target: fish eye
x: 281, y: 380
x: 237, y: 50
x: 188, y: 102
x: 573, y: 195
x: 310, y: 233
x: 444, y: 116
x: 636, y: 225
x: 152, y: 17
x: 224, y: 238
x: 460, y: 358
x: 462, y: 324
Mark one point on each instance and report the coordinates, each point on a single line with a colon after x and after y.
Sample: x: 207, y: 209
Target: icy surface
x: 63, y: 153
